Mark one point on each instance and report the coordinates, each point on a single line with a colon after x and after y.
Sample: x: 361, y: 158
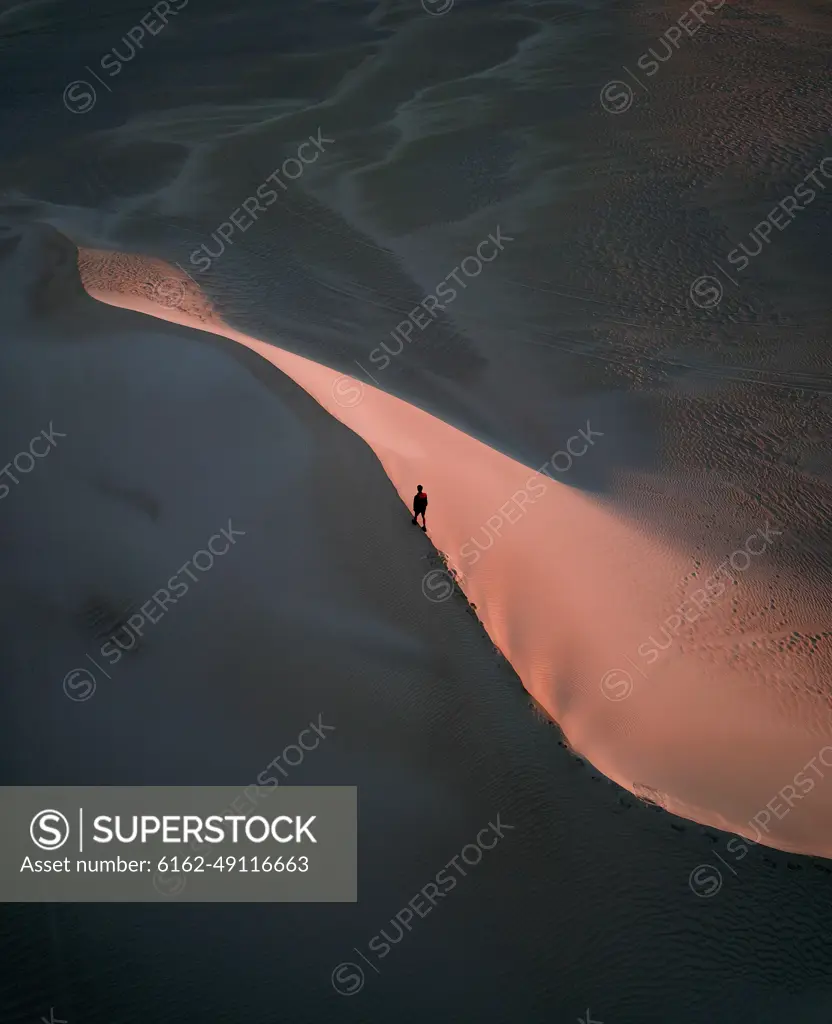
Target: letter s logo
x: 49, y: 830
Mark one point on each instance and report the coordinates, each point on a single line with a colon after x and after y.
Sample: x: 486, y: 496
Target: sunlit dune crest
x: 631, y: 650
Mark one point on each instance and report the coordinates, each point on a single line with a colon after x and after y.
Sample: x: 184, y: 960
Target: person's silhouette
x: 420, y: 504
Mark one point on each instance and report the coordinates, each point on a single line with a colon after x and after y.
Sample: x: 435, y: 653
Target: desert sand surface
x: 582, y: 603
x: 319, y: 609
x: 680, y: 634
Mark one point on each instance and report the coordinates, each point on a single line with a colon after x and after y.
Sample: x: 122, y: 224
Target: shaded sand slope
x: 661, y: 667
x: 319, y: 609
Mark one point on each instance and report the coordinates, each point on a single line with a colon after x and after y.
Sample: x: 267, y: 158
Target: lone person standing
x: 420, y: 504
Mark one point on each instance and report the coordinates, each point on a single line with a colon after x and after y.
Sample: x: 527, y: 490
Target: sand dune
x: 659, y: 667
x: 644, y: 593
x: 322, y: 608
